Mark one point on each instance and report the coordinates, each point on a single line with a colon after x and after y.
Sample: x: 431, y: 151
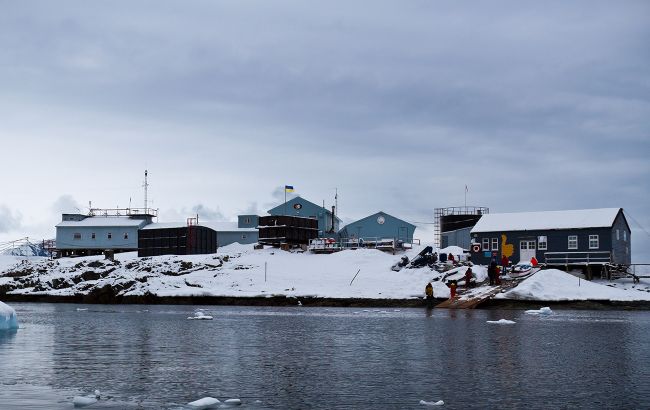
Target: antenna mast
x: 146, y: 186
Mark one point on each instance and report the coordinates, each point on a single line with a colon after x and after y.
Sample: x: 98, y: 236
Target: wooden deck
x: 473, y: 297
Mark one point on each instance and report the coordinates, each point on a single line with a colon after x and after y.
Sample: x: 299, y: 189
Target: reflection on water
x: 296, y: 357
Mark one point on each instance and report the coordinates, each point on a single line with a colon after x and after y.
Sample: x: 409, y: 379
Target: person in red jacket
x: 450, y: 257
x: 504, y: 263
x: 452, y: 289
x: 533, y: 261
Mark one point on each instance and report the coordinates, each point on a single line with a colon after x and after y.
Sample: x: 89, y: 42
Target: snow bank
x: 555, y: 285
x: 8, y: 318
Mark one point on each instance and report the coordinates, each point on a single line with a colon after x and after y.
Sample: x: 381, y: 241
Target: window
x: 618, y: 235
x: 625, y: 235
x: 247, y: 220
x: 76, y: 236
x: 486, y: 244
x: 495, y: 244
x: 573, y: 242
x: 109, y: 235
x: 593, y: 242
x: 92, y: 235
x: 627, y: 250
x: 542, y: 243
x: 126, y: 235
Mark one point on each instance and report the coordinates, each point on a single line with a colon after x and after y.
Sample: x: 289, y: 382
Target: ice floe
x: 502, y: 322
x: 432, y: 403
x: 83, y: 401
x: 200, y: 316
x: 205, y: 403
x: 542, y: 311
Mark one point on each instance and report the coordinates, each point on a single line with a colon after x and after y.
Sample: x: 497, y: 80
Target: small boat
x: 521, y: 269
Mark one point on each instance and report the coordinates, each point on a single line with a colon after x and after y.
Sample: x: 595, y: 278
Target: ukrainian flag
x: 288, y: 188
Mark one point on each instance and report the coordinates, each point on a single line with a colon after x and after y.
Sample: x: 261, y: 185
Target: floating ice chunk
x: 502, y: 322
x: 542, y: 311
x: 233, y: 402
x: 299, y: 303
x: 81, y: 309
x: 200, y: 316
x: 432, y: 403
x: 83, y: 401
x: 205, y: 403
x: 8, y: 318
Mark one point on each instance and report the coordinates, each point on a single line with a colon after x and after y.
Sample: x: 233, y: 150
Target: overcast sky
x: 398, y: 104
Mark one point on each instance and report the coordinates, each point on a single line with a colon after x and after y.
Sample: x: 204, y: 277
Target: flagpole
x: 285, y: 199
x: 465, y: 196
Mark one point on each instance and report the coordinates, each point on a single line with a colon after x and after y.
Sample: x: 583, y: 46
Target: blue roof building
x: 328, y: 222
x: 379, y: 226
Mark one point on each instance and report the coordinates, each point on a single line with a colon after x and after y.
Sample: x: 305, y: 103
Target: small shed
x: 574, y: 237
x: 292, y: 230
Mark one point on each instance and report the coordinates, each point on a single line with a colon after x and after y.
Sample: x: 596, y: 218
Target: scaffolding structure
x: 439, y: 213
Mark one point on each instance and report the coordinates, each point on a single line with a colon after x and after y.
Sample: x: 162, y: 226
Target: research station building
x: 563, y: 238
x: 378, y: 226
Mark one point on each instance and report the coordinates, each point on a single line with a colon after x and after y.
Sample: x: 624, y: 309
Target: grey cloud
x: 9, y: 220
x: 66, y: 204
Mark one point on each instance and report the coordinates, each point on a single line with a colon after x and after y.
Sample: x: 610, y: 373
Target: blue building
x: 83, y: 235
x: 328, y: 222
x: 577, y: 237
x: 379, y: 226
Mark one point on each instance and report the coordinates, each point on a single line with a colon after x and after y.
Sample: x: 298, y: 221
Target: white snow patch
x: 501, y: 322
x: 233, y: 402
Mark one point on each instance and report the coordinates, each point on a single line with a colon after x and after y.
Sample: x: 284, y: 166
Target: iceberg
x: 542, y: 311
x: 8, y: 318
x: 200, y: 316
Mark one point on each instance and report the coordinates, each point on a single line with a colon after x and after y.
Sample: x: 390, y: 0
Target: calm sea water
x: 152, y: 357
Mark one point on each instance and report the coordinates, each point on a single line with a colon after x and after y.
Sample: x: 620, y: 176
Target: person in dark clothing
x: 468, y: 277
x: 434, y: 257
x: 492, y: 271
x: 450, y: 257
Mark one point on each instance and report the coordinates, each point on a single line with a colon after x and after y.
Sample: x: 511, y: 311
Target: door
x: 527, y: 250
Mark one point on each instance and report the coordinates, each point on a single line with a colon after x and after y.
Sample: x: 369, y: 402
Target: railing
x: 122, y: 211
x: 573, y: 258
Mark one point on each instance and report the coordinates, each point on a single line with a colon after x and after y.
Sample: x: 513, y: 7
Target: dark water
x: 298, y: 358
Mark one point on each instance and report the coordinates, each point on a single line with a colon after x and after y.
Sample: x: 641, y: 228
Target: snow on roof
x: 103, y: 221
x: 217, y: 226
x: 533, y: 221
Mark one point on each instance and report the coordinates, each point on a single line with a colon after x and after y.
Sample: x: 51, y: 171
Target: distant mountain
x: 26, y: 249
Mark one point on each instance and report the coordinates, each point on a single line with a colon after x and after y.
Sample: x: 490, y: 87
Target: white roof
x: 217, y: 226
x: 99, y: 221
x: 533, y: 221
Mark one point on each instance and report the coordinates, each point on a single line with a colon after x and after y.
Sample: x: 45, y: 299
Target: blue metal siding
x: 244, y: 238
x: 247, y: 221
x: 369, y: 227
x: 459, y: 237
x: 65, y: 237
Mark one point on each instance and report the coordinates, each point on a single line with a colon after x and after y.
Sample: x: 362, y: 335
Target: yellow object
x: 507, y: 249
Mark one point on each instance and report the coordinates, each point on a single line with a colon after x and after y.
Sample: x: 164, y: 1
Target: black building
x: 169, y: 239
x: 283, y: 229
x: 578, y: 237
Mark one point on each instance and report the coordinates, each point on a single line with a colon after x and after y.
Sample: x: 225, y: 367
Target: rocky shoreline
x: 109, y: 297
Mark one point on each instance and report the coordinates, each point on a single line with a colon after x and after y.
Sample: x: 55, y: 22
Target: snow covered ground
x: 236, y: 270
x: 239, y: 271
x: 555, y: 285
